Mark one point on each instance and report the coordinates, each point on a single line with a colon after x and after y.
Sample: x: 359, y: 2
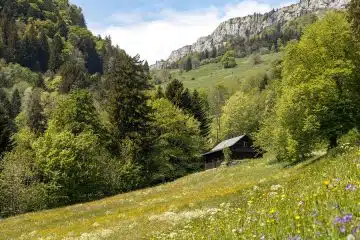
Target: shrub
x: 256, y: 59
x: 228, y: 60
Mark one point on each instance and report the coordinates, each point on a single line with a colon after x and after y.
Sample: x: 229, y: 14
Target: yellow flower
x: 326, y: 182
x: 272, y: 210
x: 297, y: 217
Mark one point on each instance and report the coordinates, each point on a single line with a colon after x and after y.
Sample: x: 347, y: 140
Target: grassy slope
x: 207, y: 76
x: 242, y: 202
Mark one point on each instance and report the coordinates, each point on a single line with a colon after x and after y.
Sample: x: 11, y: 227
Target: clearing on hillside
x: 207, y: 76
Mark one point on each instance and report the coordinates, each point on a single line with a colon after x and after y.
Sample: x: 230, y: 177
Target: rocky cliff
x: 254, y: 24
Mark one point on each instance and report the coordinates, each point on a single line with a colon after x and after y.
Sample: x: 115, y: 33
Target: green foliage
x: 318, y: 102
x: 241, y: 114
x: 126, y: 84
x: 15, y: 104
x: 178, y: 143
x: 228, y: 60
x: 188, y: 64
x: 227, y: 156
x: 34, y: 111
x: 14, y: 74
x: 354, y: 13
x: 56, y: 48
x: 256, y: 59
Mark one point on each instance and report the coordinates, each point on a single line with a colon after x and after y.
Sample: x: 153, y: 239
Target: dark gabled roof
x: 225, y: 144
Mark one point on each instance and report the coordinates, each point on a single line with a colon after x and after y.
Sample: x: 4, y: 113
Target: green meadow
x: 207, y: 76
x: 257, y: 199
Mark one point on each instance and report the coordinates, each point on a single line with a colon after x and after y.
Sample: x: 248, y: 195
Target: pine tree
x: 55, y: 53
x: 186, y: 101
x: 214, y: 52
x: 5, y: 131
x: 188, y: 64
x: 6, y: 124
x: 126, y: 84
x: 73, y: 74
x: 43, y: 52
x: 36, y: 119
x: 29, y: 49
x: 15, y: 104
x: 174, y: 92
x: 200, y: 113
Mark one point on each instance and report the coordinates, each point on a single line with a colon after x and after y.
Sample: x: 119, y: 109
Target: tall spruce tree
x: 174, y: 92
x: 188, y: 64
x: 126, y: 84
x: 15, y: 104
x: 6, y: 124
x: 55, y: 53
x: 198, y: 108
x: 36, y: 119
x: 43, y: 52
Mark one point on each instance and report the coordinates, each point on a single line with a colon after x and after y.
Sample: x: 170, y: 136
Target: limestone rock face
x: 254, y: 24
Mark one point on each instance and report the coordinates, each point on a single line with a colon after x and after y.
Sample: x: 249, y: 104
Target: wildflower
x: 343, y: 220
x: 355, y: 230
x: 347, y: 218
x: 350, y: 187
x: 326, y: 182
x: 342, y: 229
x: 275, y: 187
x: 262, y: 237
x: 301, y: 203
x: 350, y: 237
x: 272, y: 210
x: 297, y: 217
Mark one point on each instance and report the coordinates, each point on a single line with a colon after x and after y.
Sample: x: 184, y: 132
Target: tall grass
x: 317, y: 199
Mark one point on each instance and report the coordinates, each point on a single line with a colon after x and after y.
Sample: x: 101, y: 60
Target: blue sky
x: 153, y: 28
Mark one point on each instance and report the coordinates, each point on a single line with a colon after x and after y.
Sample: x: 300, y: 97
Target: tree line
x: 79, y: 117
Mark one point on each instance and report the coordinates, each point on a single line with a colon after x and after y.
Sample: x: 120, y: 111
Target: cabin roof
x: 225, y: 144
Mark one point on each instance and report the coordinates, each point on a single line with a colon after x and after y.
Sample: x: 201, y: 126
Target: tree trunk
x: 333, y: 142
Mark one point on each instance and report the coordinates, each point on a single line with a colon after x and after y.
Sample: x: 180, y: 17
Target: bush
x: 228, y: 60
x: 20, y: 190
x: 256, y: 59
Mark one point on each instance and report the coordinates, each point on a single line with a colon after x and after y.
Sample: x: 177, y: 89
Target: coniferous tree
x: 174, y: 92
x: 43, y: 53
x: 36, y: 119
x: 188, y: 64
x: 73, y: 74
x: 126, y: 84
x: 5, y: 131
x: 159, y: 93
x: 6, y: 124
x: 186, y: 101
x: 15, y: 104
x: 29, y: 49
x: 55, y: 53
x: 198, y: 108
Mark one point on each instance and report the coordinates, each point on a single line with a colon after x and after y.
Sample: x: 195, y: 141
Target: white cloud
x: 170, y: 29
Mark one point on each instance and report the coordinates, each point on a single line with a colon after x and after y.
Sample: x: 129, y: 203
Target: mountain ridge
x: 249, y: 26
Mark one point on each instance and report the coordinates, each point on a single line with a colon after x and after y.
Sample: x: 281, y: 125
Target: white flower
x: 275, y: 187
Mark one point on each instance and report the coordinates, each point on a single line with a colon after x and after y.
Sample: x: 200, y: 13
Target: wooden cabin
x: 241, y: 148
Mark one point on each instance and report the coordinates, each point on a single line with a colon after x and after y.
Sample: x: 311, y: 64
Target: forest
x: 80, y: 119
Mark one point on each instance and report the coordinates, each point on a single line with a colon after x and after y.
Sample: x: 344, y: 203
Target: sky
x: 154, y: 28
